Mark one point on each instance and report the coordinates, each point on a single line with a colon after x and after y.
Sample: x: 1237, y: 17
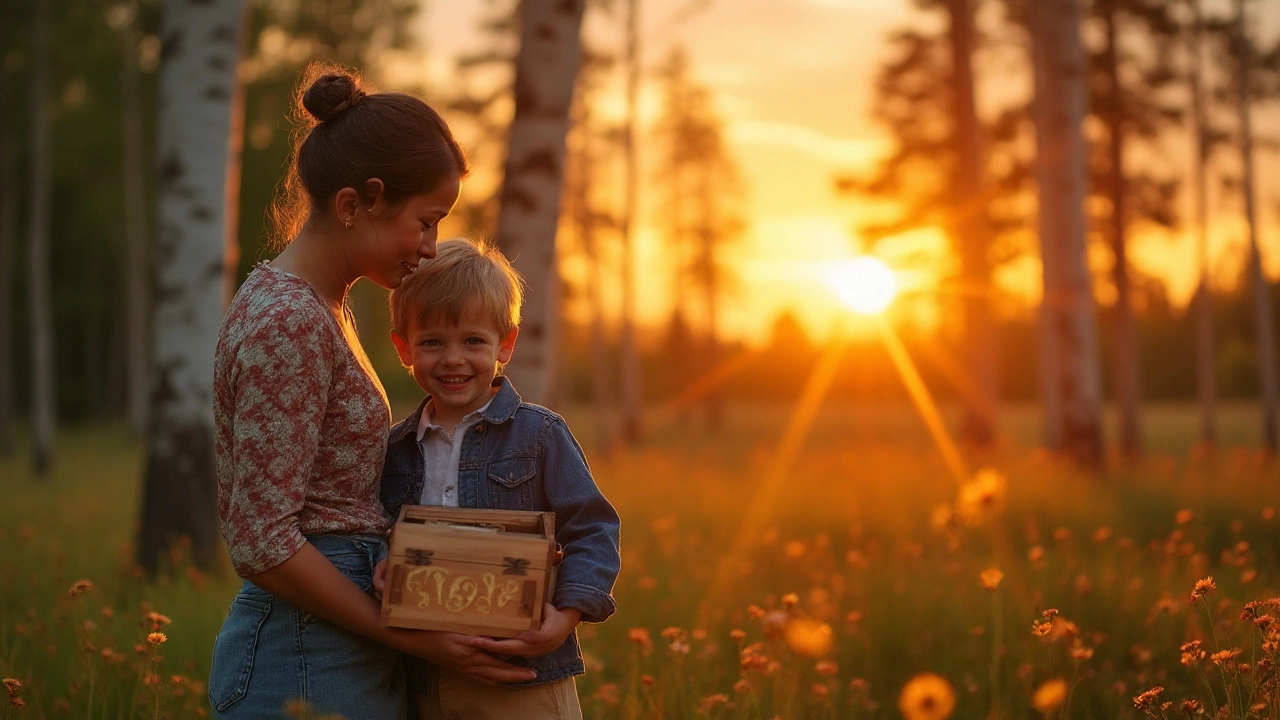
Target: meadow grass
x: 870, y: 589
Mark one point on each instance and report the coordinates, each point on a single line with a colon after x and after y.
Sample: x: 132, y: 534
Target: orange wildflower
x: 1203, y: 588
x: 927, y: 697
x: 1049, y: 696
x: 991, y: 578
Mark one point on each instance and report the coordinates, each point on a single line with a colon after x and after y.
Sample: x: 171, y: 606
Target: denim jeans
x: 269, y: 653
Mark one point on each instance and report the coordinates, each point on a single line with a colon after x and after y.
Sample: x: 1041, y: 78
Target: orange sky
x: 793, y: 81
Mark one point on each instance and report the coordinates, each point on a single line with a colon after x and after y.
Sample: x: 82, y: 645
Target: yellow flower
x: 156, y: 638
x: 1049, y: 696
x: 991, y: 578
x: 1202, y: 588
x: 982, y: 497
x: 927, y: 697
x: 809, y: 637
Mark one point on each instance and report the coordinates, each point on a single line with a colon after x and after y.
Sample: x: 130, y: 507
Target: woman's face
x: 389, y: 246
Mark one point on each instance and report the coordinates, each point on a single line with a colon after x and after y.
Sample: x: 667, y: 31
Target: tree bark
x: 1206, y: 365
x: 546, y: 68
x: 43, y: 391
x: 1068, y: 332
x: 1126, y: 371
x: 197, y: 84
x: 629, y: 366
x: 1265, y: 323
x: 972, y: 232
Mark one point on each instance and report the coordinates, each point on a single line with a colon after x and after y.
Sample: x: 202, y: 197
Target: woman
x: 302, y: 420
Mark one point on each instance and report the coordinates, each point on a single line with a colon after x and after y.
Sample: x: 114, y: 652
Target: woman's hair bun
x: 331, y: 94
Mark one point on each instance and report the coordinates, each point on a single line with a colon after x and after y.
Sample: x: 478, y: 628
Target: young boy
x: 473, y: 443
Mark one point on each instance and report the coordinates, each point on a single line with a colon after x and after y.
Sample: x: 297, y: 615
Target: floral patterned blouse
x: 301, y: 424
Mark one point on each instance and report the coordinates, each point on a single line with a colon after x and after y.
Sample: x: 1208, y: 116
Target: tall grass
x: 872, y: 585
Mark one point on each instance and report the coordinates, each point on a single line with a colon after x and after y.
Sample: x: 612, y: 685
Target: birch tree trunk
x: 546, y: 68
x: 973, y: 234
x: 1125, y: 363
x: 629, y: 366
x: 43, y: 392
x: 1206, y: 366
x: 8, y: 220
x: 197, y: 84
x: 1069, y: 345
x: 137, y: 266
x: 1265, y: 323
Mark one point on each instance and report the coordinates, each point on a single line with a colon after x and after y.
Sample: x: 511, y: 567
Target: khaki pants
x: 451, y: 696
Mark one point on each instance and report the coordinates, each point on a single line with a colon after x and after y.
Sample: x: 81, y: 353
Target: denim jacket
x: 522, y: 456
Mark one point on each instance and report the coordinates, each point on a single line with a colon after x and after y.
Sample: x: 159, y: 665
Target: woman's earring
x: 347, y: 223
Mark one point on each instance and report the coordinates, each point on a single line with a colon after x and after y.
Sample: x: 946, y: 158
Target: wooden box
x: 465, y: 570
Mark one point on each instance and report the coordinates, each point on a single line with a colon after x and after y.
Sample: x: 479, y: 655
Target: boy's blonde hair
x: 464, y: 275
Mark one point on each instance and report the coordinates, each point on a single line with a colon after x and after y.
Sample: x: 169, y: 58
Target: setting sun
x: 865, y: 285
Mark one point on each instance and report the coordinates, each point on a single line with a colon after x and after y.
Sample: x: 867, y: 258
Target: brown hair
x: 346, y: 136
x: 464, y: 275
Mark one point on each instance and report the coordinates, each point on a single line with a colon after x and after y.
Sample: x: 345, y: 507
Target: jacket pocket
x: 513, y: 471
x: 234, y: 650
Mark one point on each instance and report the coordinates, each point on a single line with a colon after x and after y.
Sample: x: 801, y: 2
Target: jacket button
x: 480, y: 427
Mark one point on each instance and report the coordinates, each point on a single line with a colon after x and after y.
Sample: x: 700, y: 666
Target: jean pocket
x: 234, y: 650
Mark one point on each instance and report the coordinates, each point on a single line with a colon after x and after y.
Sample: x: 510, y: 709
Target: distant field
x: 864, y: 574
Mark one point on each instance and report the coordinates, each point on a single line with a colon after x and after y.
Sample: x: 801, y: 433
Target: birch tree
x: 43, y: 392
x: 1069, y: 345
x: 196, y: 88
x: 546, y: 67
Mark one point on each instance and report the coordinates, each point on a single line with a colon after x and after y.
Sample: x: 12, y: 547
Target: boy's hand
x: 556, y: 626
x: 459, y: 653
x: 379, y: 578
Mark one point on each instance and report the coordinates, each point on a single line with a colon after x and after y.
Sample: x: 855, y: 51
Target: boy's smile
x: 455, y: 364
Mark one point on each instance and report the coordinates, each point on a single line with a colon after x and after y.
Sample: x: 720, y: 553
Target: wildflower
x: 17, y: 702
x: 1035, y: 554
x: 820, y: 691
x: 607, y: 694
x: 1147, y: 699
x: 79, y: 588
x: 1081, y: 652
x: 647, y: 679
x: 1183, y: 516
x: 12, y: 686
x: 790, y: 600
x: 981, y: 497
x: 679, y: 647
x: 711, y: 702
x: 809, y: 637
x: 1049, y: 696
x: 742, y: 687
x: 991, y: 578
x: 794, y: 549
x: 640, y: 636
x: 1268, y: 513
x: 1191, y: 708
x: 927, y: 697
x: 1203, y: 588
x: 156, y: 638
x: 1041, y: 629
x: 826, y: 668
x: 157, y: 620
x: 755, y: 612
x: 672, y: 633
x: 107, y: 613
x: 1224, y: 656
x: 1192, y: 653
x: 737, y: 635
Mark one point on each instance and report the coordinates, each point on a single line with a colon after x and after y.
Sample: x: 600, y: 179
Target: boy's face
x: 455, y: 364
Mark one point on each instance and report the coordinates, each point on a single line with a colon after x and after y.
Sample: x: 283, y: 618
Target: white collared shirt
x: 441, y: 453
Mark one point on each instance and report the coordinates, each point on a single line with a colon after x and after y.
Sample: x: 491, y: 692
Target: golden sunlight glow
x: 864, y: 284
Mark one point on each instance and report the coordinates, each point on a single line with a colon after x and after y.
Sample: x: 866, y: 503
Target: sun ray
x: 770, y: 487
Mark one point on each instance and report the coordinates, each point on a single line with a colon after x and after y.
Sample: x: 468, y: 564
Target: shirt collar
x: 425, y: 422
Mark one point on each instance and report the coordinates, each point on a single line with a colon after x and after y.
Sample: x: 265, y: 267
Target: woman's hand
x: 556, y: 626
x: 459, y: 653
x: 379, y: 578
